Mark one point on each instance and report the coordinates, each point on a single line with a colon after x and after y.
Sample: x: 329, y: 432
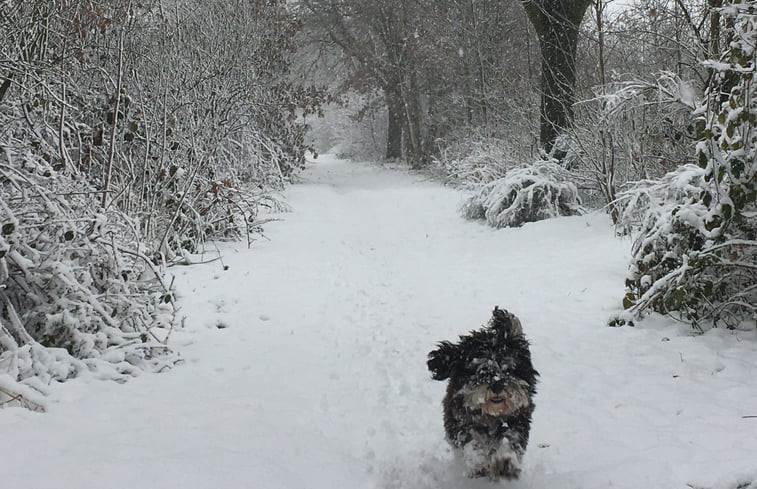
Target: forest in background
x: 133, y: 132
x: 645, y: 109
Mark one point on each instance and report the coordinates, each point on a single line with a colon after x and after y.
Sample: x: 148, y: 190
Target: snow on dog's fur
x: 489, y: 400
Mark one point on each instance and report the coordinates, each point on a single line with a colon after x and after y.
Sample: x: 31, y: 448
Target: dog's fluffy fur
x: 489, y: 400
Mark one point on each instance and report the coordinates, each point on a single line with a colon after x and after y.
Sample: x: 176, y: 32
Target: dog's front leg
x: 476, y: 457
x: 504, y: 461
x: 495, y: 462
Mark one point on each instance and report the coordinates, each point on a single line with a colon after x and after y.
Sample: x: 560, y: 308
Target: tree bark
x: 395, y: 111
x: 557, y: 24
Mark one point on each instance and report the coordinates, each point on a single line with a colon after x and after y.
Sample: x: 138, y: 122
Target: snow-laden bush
x: 76, y: 289
x: 696, y: 256
x: 630, y: 130
x: 472, y: 161
x: 524, y: 195
x: 122, y: 148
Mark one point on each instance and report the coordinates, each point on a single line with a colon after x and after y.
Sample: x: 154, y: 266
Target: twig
x: 183, y: 261
x: 22, y: 400
x: 112, y: 149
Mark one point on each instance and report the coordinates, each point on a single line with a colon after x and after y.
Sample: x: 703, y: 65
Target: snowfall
x: 304, y: 361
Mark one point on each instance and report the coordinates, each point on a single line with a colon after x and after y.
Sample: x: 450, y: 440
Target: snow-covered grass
x: 305, y: 361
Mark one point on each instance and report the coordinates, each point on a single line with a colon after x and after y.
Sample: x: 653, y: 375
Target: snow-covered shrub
x: 631, y: 130
x: 696, y: 256
x: 130, y: 133
x: 76, y: 289
x: 524, y: 195
x: 472, y: 161
x: 198, y: 164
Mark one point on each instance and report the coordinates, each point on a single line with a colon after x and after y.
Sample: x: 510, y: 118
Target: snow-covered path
x: 305, y: 362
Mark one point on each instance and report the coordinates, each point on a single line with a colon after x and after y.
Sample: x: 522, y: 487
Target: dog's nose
x: 497, y: 387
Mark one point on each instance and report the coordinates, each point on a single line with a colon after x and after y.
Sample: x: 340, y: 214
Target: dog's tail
x: 441, y: 361
x: 506, y: 322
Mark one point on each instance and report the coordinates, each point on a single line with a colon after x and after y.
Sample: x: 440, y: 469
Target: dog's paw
x: 494, y: 464
x: 503, y: 468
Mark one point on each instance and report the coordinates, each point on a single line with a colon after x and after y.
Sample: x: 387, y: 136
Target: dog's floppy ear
x: 503, y: 320
x: 442, y: 360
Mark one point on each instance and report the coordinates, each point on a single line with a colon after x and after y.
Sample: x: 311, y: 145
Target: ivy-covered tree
x: 697, y: 255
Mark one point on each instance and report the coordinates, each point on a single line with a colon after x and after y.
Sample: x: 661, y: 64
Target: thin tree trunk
x: 114, y: 129
x: 394, y: 125
x: 414, y: 140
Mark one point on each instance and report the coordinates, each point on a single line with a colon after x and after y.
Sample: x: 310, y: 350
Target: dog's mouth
x: 497, y: 405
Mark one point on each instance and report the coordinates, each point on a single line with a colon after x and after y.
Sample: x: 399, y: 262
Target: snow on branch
x: 70, y: 299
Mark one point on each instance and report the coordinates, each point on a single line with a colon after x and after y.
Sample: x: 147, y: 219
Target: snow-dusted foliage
x: 130, y: 133
x: 696, y: 257
x: 474, y: 160
x: 631, y: 130
x: 524, y: 195
x: 76, y: 289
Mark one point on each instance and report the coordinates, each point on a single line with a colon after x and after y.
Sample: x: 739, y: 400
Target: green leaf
x: 703, y: 160
x: 727, y: 211
x: 737, y: 168
x: 707, y: 289
x: 8, y: 228
x: 676, y: 299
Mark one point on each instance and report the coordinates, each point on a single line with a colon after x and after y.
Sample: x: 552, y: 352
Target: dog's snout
x: 497, y: 387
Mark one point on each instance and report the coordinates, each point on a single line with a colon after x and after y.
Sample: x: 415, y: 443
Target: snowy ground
x: 305, y: 362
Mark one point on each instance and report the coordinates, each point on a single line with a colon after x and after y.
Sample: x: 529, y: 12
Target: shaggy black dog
x: 489, y: 401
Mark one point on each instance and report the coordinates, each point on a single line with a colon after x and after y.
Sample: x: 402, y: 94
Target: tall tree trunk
x: 395, y: 110
x: 557, y: 23
x: 414, y: 147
